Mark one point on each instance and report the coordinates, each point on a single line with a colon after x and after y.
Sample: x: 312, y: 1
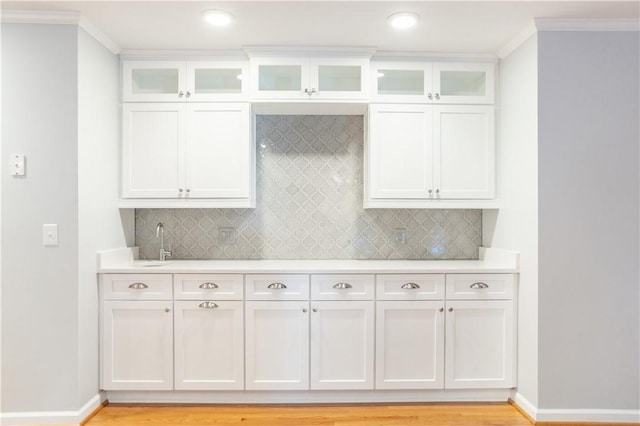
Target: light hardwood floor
x: 449, y: 414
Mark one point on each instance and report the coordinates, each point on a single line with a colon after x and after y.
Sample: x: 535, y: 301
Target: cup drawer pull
x: 410, y: 286
x: 479, y: 286
x: 207, y: 305
x: 277, y: 286
x: 138, y: 286
x: 208, y: 286
x: 342, y: 286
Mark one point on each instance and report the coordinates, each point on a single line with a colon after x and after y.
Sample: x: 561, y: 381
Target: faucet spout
x: 160, y: 233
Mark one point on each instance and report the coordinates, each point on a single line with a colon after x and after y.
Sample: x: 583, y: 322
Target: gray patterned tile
x: 309, y: 206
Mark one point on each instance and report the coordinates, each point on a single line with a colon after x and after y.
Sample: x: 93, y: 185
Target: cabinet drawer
x: 410, y: 287
x: 136, y: 287
x: 479, y: 286
x: 277, y: 287
x: 208, y: 286
x: 342, y: 287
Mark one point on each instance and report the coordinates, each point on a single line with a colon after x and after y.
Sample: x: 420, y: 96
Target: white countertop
x: 124, y: 261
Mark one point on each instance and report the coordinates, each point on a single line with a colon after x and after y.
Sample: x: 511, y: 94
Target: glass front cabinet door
x: 446, y: 83
x: 303, y: 78
x: 180, y: 81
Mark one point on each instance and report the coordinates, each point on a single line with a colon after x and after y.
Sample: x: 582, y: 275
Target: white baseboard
x: 307, y: 397
x: 575, y: 415
x: 52, y: 417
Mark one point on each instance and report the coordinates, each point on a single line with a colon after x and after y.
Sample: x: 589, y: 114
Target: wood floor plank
x: 441, y: 414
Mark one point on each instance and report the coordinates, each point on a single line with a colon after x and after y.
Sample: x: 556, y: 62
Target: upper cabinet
x: 437, y: 83
x: 184, y: 81
x: 302, y: 78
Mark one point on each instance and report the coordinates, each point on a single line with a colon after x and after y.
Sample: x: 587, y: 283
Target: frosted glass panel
x: 336, y: 78
x: 400, y: 82
x: 280, y: 77
x: 222, y: 80
x: 463, y: 83
x: 154, y: 81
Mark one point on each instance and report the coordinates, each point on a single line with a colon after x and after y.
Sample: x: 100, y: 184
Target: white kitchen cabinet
x: 183, y: 152
x: 436, y: 83
x: 184, y: 81
x: 137, y: 345
x: 410, y: 344
x: 309, y: 78
x: 277, y: 345
x: 209, y: 345
x: 342, y: 345
x: 427, y: 153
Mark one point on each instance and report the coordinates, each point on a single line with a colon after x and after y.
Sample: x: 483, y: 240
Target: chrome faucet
x: 160, y: 233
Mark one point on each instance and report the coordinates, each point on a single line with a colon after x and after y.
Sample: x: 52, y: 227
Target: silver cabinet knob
x: 441, y: 310
x: 429, y: 96
x: 180, y: 190
x: 410, y: 286
x: 437, y: 96
x: 315, y: 309
x: 479, y: 286
x: 277, y: 286
x: 208, y: 285
x: 138, y: 286
x: 342, y: 286
x: 188, y: 190
x: 310, y: 91
x: 167, y: 310
x: 437, y: 191
x: 304, y: 310
x: 450, y: 309
x: 430, y: 191
x: 188, y: 94
x: 207, y: 305
x: 180, y: 94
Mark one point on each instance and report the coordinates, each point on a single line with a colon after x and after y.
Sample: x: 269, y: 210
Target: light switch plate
x: 226, y: 235
x: 16, y: 164
x: 50, y: 235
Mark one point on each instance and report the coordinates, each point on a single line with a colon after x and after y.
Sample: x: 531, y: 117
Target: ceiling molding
x: 392, y: 55
x: 97, y: 34
x: 257, y: 51
x: 549, y: 24
x: 185, y: 54
x: 40, y: 17
x: 518, y: 40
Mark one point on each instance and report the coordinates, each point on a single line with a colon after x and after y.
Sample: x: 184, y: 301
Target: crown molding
x: 40, y: 17
x: 97, y: 34
x: 392, y: 55
x: 553, y: 24
x: 257, y: 51
x: 519, y: 39
x: 185, y: 54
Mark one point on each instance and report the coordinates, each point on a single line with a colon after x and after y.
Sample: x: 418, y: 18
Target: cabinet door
x: 152, y: 150
x: 410, y: 345
x: 339, y: 78
x: 217, y: 81
x: 137, y: 345
x: 209, y: 345
x: 280, y: 78
x: 342, y: 335
x: 479, y: 344
x: 218, y: 151
x: 464, y: 143
x: 463, y: 83
x: 400, y: 82
x: 277, y: 345
x: 400, y: 152
x: 160, y: 81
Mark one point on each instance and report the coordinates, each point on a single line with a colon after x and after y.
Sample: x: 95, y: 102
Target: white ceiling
x: 445, y: 26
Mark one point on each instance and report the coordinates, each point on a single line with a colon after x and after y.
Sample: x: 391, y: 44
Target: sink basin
x: 150, y: 263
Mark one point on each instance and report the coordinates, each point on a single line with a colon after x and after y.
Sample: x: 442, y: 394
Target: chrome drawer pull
x: 342, y: 286
x: 138, y: 286
x: 207, y: 305
x: 208, y: 285
x: 410, y: 286
x: 478, y: 286
x: 277, y: 286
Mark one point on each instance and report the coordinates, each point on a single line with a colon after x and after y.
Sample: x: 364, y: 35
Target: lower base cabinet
x: 410, y: 345
x: 480, y: 344
x: 277, y: 345
x: 137, y: 345
x: 209, y: 347
x: 342, y: 334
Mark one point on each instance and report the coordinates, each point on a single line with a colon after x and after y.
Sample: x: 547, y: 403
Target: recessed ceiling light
x: 403, y: 20
x: 217, y: 18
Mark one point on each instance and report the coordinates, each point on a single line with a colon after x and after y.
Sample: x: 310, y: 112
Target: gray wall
x: 309, y: 206
x: 39, y: 284
x: 588, y: 220
x: 515, y: 225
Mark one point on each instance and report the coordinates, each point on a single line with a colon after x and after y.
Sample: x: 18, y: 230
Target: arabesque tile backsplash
x: 309, y: 206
